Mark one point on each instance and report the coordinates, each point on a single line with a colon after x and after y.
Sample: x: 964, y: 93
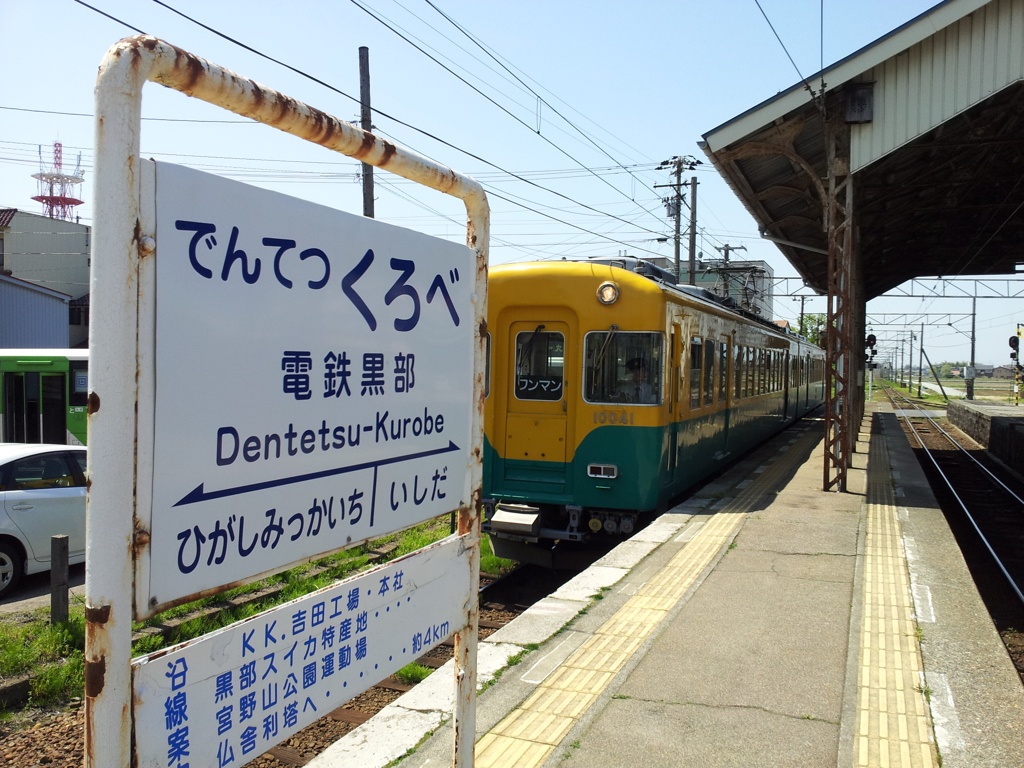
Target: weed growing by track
x: 55, y: 654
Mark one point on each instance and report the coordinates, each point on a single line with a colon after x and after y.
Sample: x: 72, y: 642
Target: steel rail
x: 952, y: 490
x: 992, y: 476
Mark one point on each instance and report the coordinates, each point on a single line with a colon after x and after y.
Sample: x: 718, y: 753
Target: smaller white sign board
x: 229, y: 696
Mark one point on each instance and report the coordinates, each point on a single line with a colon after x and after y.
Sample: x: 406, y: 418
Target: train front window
x: 623, y: 367
x: 540, y: 363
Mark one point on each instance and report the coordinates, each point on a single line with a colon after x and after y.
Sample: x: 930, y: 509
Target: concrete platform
x: 763, y: 623
x: 998, y: 428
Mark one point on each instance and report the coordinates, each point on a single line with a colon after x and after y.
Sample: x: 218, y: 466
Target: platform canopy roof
x: 936, y: 148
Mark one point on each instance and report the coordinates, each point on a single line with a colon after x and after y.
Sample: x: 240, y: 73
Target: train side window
x: 540, y: 363
x: 723, y: 371
x: 487, y: 365
x: 623, y: 367
x: 696, y: 358
x: 709, y: 371
x: 738, y: 372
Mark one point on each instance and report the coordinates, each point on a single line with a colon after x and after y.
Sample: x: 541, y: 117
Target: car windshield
x: 36, y: 472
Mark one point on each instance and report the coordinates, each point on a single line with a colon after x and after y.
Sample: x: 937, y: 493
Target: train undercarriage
x: 557, y: 536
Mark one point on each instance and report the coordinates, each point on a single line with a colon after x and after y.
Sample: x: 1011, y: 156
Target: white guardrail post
x: 118, y: 243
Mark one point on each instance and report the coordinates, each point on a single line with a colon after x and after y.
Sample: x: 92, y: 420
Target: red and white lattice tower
x: 56, y: 187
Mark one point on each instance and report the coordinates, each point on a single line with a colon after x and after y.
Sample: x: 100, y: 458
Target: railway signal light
x: 870, y: 341
x: 1015, y: 346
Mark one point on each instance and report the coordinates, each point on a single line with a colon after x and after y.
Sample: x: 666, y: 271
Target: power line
x: 504, y: 109
x: 400, y: 122
x: 154, y: 119
x: 476, y: 42
x: 807, y: 85
x: 379, y: 112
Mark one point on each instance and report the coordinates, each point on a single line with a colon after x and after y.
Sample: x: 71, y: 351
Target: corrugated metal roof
x: 33, y: 287
x: 6, y: 214
x: 936, y: 173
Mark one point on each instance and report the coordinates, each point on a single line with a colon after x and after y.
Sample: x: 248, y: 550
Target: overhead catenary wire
x: 544, y: 101
x: 423, y: 132
x: 814, y: 96
x: 374, y: 109
x: 504, y: 109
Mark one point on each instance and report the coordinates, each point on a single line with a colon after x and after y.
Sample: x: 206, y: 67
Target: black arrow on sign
x: 198, y: 493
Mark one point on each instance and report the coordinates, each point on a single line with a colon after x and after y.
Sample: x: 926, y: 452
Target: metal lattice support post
x: 838, y: 412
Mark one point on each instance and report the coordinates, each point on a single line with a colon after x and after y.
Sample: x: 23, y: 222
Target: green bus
x: 43, y: 395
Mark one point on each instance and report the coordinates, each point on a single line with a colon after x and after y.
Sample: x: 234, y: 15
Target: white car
x: 42, y: 494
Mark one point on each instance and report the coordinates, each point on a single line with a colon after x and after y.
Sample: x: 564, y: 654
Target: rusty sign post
x: 121, y: 400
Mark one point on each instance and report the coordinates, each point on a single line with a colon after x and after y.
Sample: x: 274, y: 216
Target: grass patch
x: 413, y: 673
x: 55, y: 654
x: 24, y: 646
x: 490, y: 563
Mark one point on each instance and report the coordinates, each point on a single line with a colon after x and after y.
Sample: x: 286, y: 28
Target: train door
x: 536, y: 423
x: 674, y: 395
x: 807, y: 383
x: 785, y: 378
x: 724, y: 392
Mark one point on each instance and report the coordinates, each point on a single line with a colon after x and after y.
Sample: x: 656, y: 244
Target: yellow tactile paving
x: 559, y: 702
x: 578, y: 680
x: 602, y: 661
x: 496, y: 751
x: 542, y: 727
x: 530, y: 733
x: 894, y: 728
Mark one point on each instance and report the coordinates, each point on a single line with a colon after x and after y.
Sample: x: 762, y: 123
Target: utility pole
x: 920, y: 362
x: 970, y: 381
x: 365, y: 122
x: 679, y: 212
x: 725, y: 249
x: 693, y: 230
x: 802, y: 300
x: 674, y: 205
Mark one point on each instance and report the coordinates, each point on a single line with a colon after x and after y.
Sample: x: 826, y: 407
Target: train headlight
x: 608, y: 293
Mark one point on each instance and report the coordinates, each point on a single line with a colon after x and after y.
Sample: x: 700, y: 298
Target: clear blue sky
x: 642, y: 81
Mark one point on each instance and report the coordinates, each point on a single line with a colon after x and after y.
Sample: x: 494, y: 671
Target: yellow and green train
x: 611, y: 390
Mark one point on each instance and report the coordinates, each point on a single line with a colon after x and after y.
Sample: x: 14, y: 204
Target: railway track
x: 984, y: 505
x: 56, y: 741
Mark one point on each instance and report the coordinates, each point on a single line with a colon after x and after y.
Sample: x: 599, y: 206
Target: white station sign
x: 313, y: 377
x: 230, y: 696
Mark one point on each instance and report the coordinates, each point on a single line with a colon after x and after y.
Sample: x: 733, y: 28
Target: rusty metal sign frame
x: 120, y: 269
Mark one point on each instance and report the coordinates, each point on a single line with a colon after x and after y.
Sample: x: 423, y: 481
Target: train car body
x: 611, y: 390
x: 43, y: 396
